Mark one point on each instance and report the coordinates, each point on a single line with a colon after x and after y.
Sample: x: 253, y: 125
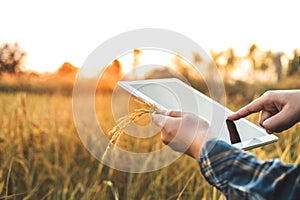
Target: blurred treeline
x: 243, y: 76
x: 261, y: 65
x: 248, y: 76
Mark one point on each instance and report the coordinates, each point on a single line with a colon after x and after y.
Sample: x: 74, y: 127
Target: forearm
x: 240, y: 175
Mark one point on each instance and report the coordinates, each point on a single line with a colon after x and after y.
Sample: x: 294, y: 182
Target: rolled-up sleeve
x: 241, y: 175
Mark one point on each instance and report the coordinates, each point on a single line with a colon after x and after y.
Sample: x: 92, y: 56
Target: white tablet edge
x: 126, y: 85
x: 246, y: 145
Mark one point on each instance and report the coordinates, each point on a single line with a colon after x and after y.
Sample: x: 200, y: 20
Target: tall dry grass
x: 42, y: 157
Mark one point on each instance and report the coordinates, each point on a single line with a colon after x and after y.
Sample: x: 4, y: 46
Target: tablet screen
x: 175, y: 94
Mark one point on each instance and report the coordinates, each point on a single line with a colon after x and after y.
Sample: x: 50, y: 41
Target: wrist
x: 195, y: 153
x: 196, y: 148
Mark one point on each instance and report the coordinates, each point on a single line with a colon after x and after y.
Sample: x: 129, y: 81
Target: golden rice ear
x: 117, y: 131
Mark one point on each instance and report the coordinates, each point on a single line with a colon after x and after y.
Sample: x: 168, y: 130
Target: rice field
x: 42, y: 157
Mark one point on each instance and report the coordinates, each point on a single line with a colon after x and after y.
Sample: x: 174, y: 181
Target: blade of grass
x: 181, y: 192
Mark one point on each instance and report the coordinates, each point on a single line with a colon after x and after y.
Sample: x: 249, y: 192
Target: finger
x: 270, y: 132
x: 253, y: 107
x: 279, y: 122
x: 159, y: 120
x: 263, y: 116
x: 165, y: 137
x: 174, y: 113
x: 177, y: 113
x: 163, y: 121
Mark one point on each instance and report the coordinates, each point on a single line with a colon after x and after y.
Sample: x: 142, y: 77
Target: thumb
x: 159, y: 120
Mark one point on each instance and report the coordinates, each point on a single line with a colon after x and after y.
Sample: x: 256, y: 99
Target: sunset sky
x: 52, y: 32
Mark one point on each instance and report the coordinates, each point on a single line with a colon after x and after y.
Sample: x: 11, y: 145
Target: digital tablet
x: 173, y: 94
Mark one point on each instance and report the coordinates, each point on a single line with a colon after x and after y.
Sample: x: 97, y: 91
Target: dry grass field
x: 42, y: 157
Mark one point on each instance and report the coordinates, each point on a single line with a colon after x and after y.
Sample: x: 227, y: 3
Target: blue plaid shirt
x: 240, y: 175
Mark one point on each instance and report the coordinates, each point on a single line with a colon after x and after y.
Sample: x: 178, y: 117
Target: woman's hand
x: 183, y: 132
x: 279, y: 110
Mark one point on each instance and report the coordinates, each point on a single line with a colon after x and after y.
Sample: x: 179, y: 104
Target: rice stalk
x: 117, y: 131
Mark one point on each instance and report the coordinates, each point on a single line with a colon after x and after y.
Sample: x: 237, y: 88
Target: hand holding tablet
x: 188, y: 131
x: 173, y: 94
